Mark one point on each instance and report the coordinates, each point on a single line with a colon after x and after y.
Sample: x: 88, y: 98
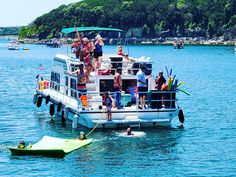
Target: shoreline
x: 135, y: 41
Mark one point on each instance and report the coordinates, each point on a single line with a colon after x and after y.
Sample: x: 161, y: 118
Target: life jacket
x: 105, y: 101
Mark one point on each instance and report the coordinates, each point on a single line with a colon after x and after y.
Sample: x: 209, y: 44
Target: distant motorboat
x: 178, y: 45
x: 13, y: 45
x: 53, y: 44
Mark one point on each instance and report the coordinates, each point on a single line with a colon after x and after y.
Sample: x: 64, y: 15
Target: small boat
x: 51, y: 146
x: 178, y: 45
x: 13, y: 45
x: 53, y: 44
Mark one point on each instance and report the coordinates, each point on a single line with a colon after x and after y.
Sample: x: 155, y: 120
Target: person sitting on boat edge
x: 120, y: 51
x: 82, y: 136
x: 117, y: 87
x: 81, y: 80
x: 21, y: 145
x: 108, y: 103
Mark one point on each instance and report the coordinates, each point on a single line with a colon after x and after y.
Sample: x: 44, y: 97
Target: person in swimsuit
x: 97, y: 53
x: 117, y: 87
x: 81, y: 80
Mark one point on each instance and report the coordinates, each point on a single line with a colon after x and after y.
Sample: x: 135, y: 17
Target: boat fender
x: 66, y: 112
x: 59, y: 107
x: 100, y: 107
x: 39, y: 101
x: 47, y: 100
x: 63, y: 120
x: 75, y: 121
x: 35, y: 98
x: 181, y: 116
x: 52, y: 109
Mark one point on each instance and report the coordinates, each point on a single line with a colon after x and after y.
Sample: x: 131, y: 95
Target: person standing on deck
x: 132, y: 90
x: 81, y: 80
x: 97, y: 52
x: 117, y: 87
x: 142, y: 87
x: 108, y: 102
x: 160, y: 80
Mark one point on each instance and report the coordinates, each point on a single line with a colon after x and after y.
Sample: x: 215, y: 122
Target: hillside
x: 9, y: 31
x: 143, y: 18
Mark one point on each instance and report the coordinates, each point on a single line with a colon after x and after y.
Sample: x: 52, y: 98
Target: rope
x: 96, y: 124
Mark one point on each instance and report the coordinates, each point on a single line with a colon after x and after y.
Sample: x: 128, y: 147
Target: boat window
x: 52, y: 79
x: 107, y: 85
x: 57, y: 80
x: 73, y: 86
x: 66, y: 83
x: 74, y: 67
x: 127, y: 83
x: 57, y: 77
x: 115, y: 62
x: 52, y: 76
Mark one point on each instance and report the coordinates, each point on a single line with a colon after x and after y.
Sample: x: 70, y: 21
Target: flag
x: 41, y: 67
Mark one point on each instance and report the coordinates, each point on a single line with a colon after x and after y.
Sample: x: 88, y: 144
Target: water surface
x: 205, y: 147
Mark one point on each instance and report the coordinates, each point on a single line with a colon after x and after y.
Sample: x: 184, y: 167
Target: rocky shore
x: 142, y: 41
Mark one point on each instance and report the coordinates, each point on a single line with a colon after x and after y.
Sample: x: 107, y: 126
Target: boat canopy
x: 82, y: 29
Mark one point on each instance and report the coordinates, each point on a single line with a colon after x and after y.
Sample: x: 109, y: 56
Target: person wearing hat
x: 160, y: 80
x: 82, y: 136
x: 117, y: 86
x: 97, y: 53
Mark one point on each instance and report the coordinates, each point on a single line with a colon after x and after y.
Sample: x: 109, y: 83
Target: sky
x: 23, y: 12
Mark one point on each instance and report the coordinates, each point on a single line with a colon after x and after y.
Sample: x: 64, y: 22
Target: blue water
x: 205, y: 147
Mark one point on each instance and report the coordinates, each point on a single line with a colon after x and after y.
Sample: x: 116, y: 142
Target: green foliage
x: 152, y: 17
x: 9, y: 30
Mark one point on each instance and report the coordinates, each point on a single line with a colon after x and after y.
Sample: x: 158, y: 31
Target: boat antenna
x: 126, y: 42
x: 119, y: 34
x: 67, y: 50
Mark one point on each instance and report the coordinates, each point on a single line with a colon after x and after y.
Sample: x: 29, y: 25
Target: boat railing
x: 105, y: 65
x: 155, y: 99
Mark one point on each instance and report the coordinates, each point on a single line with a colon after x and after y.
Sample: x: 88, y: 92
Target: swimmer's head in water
x: 129, y: 131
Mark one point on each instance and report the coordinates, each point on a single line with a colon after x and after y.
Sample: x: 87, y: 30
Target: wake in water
x: 5, y: 148
x: 134, y: 134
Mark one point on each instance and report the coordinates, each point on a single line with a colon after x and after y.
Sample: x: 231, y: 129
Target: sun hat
x: 98, y: 37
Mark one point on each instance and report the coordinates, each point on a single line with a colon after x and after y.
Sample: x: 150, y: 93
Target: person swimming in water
x: 129, y: 132
x: 82, y: 136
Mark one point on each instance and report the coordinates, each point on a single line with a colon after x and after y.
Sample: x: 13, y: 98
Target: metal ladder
x: 134, y: 121
x: 135, y: 124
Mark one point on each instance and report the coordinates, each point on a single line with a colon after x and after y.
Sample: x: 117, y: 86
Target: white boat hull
x: 129, y: 116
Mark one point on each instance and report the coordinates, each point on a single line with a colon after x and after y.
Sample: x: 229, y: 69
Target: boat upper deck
x: 109, y: 63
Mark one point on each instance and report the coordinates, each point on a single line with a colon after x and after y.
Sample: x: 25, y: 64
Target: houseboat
x: 89, y: 110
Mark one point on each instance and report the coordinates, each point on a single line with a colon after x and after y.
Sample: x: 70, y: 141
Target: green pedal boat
x: 51, y: 146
